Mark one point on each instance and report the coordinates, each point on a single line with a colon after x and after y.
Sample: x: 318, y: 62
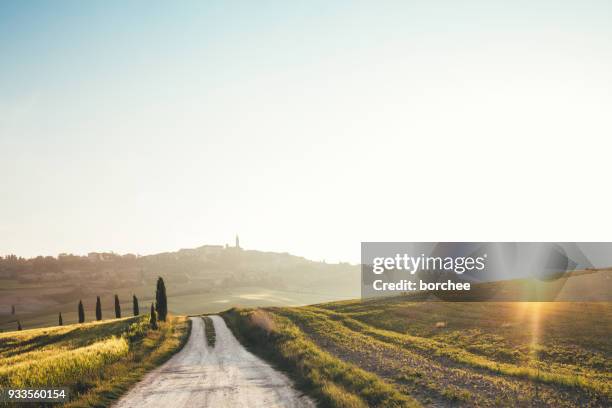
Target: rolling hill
x: 397, y: 352
x: 210, y: 278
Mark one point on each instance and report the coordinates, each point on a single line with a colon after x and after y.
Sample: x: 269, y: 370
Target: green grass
x: 332, y: 382
x: 460, y: 355
x: 209, y: 331
x: 98, y: 361
x: 457, y: 354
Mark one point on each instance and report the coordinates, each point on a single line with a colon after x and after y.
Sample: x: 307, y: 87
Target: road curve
x: 224, y: 376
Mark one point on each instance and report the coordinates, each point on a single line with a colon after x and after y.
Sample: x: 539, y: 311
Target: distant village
x: 42, y: 268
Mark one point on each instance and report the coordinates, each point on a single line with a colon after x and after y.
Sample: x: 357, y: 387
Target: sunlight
x: 529, y: 315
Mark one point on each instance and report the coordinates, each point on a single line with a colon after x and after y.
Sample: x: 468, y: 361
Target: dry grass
x: 262, y: 319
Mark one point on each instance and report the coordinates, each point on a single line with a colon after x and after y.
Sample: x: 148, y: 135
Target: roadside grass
x: 98, y: 361
x: 209, y: 331
x: 332, y: 382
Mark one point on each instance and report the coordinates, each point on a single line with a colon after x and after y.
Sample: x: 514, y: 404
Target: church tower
x: 237, y: 242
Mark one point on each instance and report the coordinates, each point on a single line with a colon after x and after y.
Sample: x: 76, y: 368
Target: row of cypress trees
x: 159, y: 311
x: 81, y: 310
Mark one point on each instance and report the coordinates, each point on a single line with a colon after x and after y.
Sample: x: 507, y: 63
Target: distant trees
x: 161, y: 301
x: 117, y: 307
x: 98, y: 308
x: 45, y: 264
x: 61, y: 321
x: 81, y: 312
x: 153, y: 318
x: 19, y: 325
x: 135, y: 305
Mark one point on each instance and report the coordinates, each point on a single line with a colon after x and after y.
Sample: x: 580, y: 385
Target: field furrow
x: 432, y: 377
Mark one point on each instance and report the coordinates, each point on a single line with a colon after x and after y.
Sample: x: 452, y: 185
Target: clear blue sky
x: 141, y: 127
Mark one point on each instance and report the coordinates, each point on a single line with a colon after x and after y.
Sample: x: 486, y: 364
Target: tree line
x: 159, y: 309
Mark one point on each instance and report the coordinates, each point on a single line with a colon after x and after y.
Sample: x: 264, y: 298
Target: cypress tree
x: 117, y: 307
x: 19, y: 325
x: 135, y: 305
x: 161, y: 301
x: 81, y: 312
x: 153, y: 318
x: 61, y: 321
x: 98, y: 309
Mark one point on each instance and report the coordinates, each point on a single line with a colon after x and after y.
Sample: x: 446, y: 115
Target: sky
x: 306, y: 127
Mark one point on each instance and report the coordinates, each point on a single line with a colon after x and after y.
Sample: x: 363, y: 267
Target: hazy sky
x: 305, y: 127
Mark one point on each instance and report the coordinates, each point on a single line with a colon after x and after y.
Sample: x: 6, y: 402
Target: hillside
x: 97, y: 361
x: 394, y: 352
x: 206, y: 279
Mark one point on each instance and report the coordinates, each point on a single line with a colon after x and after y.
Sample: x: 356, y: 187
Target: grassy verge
x: 98, y: 361
x: 332, y: 382
x: 209, y: 331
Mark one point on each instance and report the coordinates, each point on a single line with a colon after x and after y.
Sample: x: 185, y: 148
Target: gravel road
x: 224, y: 376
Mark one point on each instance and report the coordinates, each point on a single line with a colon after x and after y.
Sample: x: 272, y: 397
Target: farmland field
x: 439, y: 353
x: 97, y: 361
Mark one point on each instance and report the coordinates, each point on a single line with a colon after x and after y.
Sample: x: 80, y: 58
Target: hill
x: 397, y: 352
x: 97, y: 361
x: 210, y: 278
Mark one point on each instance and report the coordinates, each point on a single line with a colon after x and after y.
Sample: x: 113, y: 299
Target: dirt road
x: 224, y: 376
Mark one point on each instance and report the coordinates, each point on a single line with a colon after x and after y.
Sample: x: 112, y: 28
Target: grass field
x: 209, y: 331
x: 438, y: 353
x: 332, y: 382
x: 188, y: 303
x: 97, y: 361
